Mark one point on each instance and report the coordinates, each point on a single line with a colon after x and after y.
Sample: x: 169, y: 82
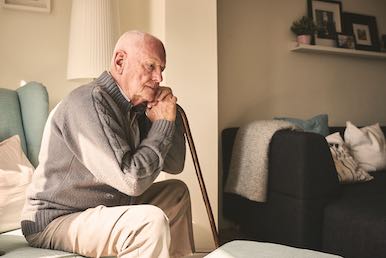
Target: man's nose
x: 157, y: 76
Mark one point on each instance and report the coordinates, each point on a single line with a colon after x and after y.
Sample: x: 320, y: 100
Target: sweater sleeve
x: 175, y: 159
x: 97, y: 135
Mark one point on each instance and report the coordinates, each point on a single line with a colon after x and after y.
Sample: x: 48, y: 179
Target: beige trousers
x: 159, y: 224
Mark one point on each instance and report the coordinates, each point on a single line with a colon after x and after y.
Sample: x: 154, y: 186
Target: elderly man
x: 103, y: 147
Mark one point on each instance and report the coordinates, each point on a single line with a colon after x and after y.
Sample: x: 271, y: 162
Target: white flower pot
x: 303, y: 39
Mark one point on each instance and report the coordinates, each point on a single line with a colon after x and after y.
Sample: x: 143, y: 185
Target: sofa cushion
x: 347, y: 167
x: 33, y: 98
x: 375, y: 187
x: 367, y: 145
x: 10, y: 117
x: 354, y: 224
x: 15, y: 175
x: 317, y: 124
x: 15, y: 246
x: 356, y: 227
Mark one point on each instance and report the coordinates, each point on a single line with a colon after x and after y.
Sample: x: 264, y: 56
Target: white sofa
x: 14, y: 245
x: 23, y: 112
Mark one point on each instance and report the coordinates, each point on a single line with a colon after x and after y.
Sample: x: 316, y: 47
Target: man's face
x: 143, y: 72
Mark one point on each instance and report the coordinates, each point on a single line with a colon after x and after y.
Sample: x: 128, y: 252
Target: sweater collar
x: 111, y: 87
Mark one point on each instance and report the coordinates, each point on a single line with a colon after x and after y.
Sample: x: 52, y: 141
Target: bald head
x: 137, y: 65
x: 132, y: 42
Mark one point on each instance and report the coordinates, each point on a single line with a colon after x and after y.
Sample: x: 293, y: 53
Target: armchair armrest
x: 301, y: 166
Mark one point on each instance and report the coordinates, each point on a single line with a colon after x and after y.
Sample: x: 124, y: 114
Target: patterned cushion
x: 347, y: 167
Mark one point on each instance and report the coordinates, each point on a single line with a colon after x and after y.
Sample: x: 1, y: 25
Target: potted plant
x: 303, y: 28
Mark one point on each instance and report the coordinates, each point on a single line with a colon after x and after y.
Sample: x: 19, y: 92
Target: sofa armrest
x: 301, y: 166
x: 302, y: 179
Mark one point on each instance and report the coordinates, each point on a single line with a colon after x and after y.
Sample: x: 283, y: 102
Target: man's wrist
x: 163, y: 126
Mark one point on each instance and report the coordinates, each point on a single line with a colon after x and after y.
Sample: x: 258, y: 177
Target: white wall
x: 33, y: 46
x: 259, y: 78
x: 191, y: 45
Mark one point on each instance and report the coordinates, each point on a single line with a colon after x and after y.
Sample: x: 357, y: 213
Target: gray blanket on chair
x: 248, y: 172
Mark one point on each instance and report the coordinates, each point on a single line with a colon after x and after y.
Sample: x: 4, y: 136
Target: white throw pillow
x: 15, y: 175
x: 367, y: 145
x: 347, y: 167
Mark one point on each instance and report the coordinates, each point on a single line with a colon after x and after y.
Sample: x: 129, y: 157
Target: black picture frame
x: 345, y: 41
x: 383, y: 42
x: 365, y: 30
x: 327, y: 15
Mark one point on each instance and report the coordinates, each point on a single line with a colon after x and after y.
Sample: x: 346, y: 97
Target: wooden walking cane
x: 199, y: 174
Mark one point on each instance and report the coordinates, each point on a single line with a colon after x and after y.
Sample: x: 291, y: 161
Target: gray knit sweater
x: 98, y: 150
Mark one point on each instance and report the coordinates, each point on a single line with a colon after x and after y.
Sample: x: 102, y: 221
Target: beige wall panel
x: 191, y: 44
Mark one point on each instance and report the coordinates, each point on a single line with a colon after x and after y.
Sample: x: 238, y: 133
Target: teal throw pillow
x: 317, y: 124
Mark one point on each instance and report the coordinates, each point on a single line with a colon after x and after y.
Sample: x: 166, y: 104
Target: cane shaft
x: 199, y: 174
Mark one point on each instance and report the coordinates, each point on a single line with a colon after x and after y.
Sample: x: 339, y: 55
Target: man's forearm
x: 175, y: 159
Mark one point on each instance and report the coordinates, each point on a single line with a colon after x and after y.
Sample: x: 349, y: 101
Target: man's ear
x: 119, y: 61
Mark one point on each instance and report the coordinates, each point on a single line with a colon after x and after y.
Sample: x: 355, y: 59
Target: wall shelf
x: 303, y: 48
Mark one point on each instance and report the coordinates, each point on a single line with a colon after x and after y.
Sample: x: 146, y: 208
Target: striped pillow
x: 15, y: 176
x: 347, y: 167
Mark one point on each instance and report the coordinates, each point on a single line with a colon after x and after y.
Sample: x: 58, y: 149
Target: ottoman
x: 251, y: 249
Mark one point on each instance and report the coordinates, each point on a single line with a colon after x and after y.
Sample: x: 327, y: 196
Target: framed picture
x: 28, y: 5
x: 365, y: 31
x: 345, y: 41
x: 327, y: 16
